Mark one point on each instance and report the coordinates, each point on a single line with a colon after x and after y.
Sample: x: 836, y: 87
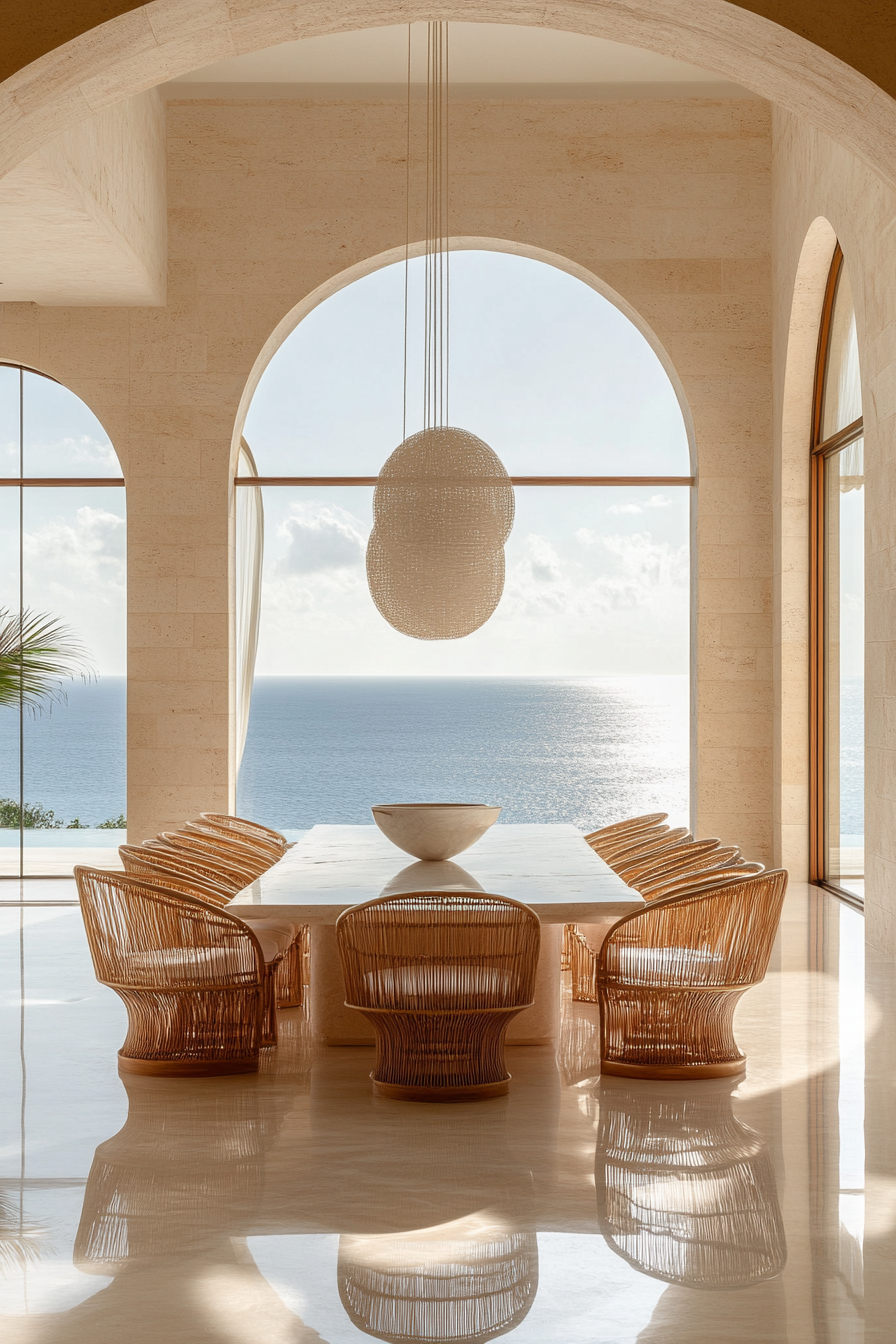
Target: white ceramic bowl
x: 434, y: 831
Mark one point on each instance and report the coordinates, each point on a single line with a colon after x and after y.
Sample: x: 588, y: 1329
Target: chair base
x: 185, y: 1068
x: 727, y: 1069
x: 469, y: 1092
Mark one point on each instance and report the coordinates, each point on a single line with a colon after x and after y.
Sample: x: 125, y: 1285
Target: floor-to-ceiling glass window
x: 571, y: 703
x: 62, y: 632
x: 838, y: 605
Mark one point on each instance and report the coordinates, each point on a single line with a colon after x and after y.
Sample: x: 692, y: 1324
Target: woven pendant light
x: 443, y: 505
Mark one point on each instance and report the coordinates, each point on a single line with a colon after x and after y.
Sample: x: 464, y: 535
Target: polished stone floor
x: 293, y: 1206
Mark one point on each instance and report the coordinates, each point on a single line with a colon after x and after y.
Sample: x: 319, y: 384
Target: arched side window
x: 571, y: 703
x: 62, y: 632
x: 837, y: 608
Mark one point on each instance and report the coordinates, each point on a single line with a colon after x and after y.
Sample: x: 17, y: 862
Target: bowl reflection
x: 426, y: 876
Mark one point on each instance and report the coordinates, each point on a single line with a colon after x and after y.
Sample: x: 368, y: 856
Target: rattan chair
x: 203, y: 849
x: 439, y: 976
x: 207, y: 866
x: 193, y: 977
x: 257, y: 850
x: 641, y: 848
x: 690, y: 857
x: 253, y: 829
x: 413, y: 1290
x: 668, y: 978
x: 677, y: 884
x: 164, y: 868
x: 609, y: 837
x: 685, y: 1191
x: 243, y: 852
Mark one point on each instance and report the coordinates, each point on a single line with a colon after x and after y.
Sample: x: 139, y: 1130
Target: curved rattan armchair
x: 165, y: 868
x: 640, y: 849
x: 439, y: 976
x: 206, y: 866
x: 691, y: 857
x: 200, y: 849
x: 243, y: 852
x: 241, y: 825
x: 669, y: 977
x: 253, y: 848
x: 192, y: 977
x: 413, y: 1290
x: 610, y: 836
x: 685, y: 1191
x: 678, y: 884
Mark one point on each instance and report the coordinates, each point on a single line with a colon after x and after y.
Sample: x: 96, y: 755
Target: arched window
x: 571, y: 702
x: 837, y: 744
x: 62, y: 595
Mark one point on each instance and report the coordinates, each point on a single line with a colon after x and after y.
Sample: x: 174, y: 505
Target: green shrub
x: 31, y: 815
x: 118, y: 823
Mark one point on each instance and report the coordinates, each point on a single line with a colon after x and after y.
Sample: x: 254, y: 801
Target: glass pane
x: 544, y: 369
x: 842, y: 384
x: 845, y: 668
x: 62, y: 436
x: 550, y: 709
x: 74, y: 742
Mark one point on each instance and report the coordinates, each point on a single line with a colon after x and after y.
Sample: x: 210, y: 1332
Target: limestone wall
x: 667, y: 202
x: 822, y: 193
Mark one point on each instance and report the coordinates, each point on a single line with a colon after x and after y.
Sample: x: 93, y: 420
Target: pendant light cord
x: 407, y: 247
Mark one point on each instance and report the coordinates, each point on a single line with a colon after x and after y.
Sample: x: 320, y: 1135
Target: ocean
x: 585, y: 750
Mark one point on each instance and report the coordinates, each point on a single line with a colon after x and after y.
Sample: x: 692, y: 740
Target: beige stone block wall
x: 668, y: 203
x: 823, y: 192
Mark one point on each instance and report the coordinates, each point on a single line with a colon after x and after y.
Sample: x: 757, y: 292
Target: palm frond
x: 38, y: 653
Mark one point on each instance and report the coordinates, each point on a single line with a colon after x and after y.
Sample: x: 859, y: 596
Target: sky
x: 558, y: 382
x: 543, y: 368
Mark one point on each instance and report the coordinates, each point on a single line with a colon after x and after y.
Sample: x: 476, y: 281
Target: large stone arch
x: 342, y: 279
x: 146, y: 46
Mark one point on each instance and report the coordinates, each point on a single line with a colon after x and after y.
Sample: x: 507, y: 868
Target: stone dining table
x: 550, y: 868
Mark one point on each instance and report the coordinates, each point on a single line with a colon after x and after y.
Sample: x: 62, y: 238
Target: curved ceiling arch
x: 159, y: 41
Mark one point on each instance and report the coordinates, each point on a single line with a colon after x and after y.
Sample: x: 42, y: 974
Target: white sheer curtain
x: 249, y: 556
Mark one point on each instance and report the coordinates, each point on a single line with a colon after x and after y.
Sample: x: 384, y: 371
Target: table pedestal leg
x: 540, y: 1024
x: 331, y: 1021
x: 335, y: 1024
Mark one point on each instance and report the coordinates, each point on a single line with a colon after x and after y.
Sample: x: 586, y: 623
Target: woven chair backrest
x: 240, y: 826
x: 619, y: 844
x: 210, y: 854
x: 682, y: 884
x: 244, y: 850
x: 719, y: 935
x: 194, y: 864
x: 630, y: 824
x: 261, y: 849
x: 686, y: 858
x: 434, y: 950
x: 142, y: 863
x: 134, y: 927
x: 642, y: 849
x: 207, y: 865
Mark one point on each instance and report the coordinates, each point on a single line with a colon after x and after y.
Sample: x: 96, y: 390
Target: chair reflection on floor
x: 685, y: 1190
x: 185, y: 1170
x: 416, y: 1290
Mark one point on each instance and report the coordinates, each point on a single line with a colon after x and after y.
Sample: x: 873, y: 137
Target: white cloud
x: 654, y: 502
x: 544, y: 562
x: 321, y: 538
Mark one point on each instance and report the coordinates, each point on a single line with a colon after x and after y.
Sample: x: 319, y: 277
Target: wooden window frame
x: 821, y: 451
